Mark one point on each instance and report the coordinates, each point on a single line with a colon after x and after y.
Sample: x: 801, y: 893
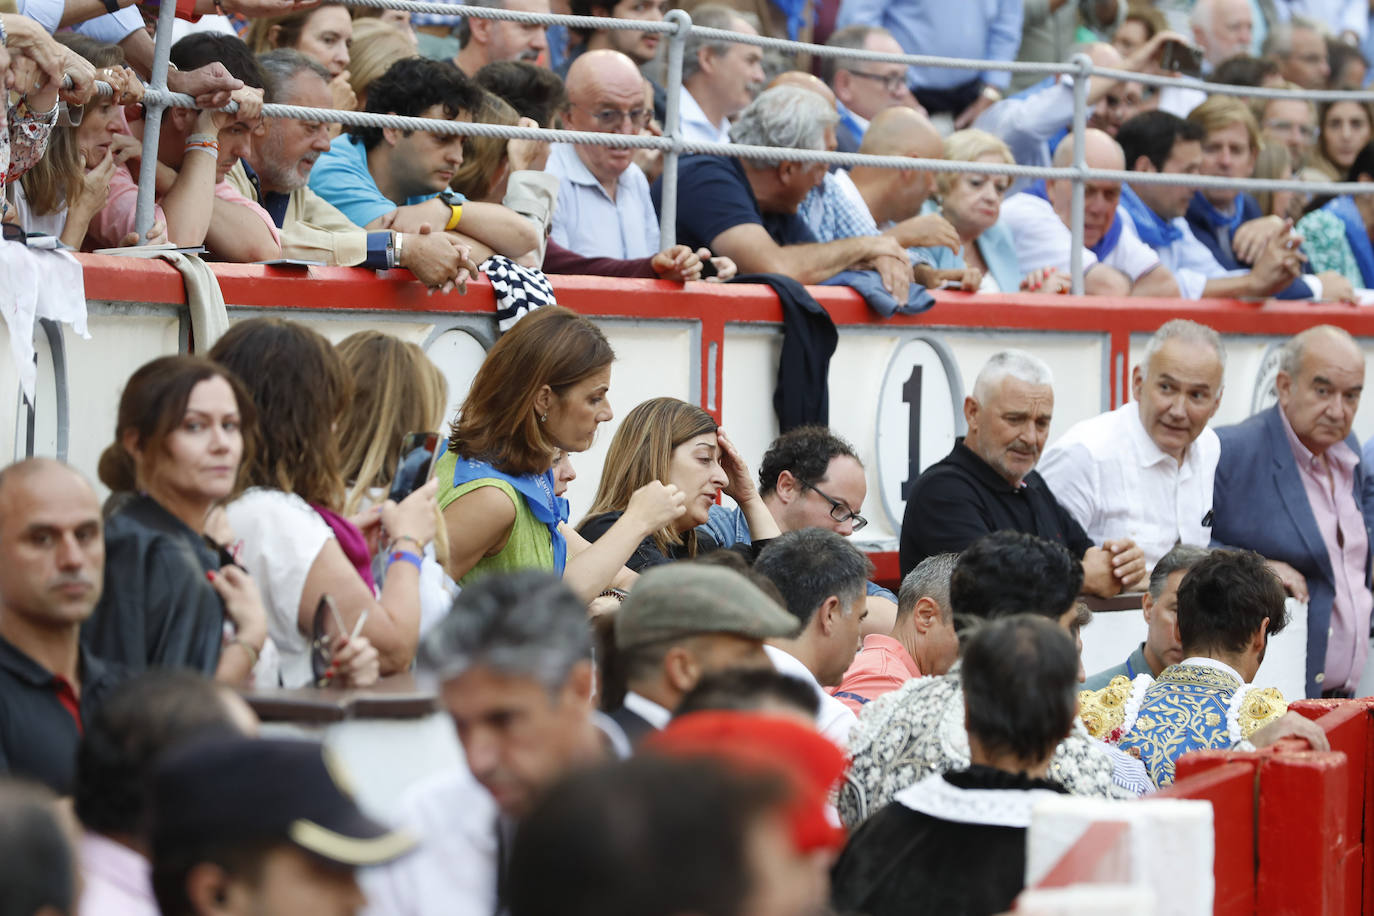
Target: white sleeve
x: 112, y: 28
x: 1132, y: 257
x: 1042, y: 239
x: 47, y: 13
x: 1071, y: 474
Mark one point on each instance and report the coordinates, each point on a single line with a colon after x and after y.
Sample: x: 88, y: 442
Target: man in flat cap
x: 259, y: 826
x: 682, y: 621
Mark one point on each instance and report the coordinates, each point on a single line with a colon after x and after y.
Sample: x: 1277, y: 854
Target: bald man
x: 604, y: 209
x: 863, y: 201
x: 1288, y: 486
x: 52, y: 566
x: 1115, y: 262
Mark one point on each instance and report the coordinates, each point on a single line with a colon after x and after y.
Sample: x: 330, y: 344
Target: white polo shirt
x: 1042, y: 240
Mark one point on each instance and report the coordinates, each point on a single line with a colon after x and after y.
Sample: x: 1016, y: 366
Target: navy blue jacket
x: 1258, y: 502
x: 1208, y: 235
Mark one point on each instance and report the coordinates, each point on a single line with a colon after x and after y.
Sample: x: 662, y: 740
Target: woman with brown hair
x: 668, y: 440
x: 185, y: 425
x: 302, y: 552
x: 321, y: 33
x: 542, y: 388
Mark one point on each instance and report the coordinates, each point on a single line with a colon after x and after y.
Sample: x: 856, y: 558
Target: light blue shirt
x: 588, y: 222
x: 342, y: 178
x: 978, y: 29
x: 111, y: 28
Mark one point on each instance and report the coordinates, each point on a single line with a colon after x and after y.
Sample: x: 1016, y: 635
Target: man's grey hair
x: 463, y: 30
x: 1290, y: 354
x: 712, y: 16
x: 810, y: 565
x: 526, y: 624
x: 1183, y: 329
x: 930, y: 579
x: 1280, y: 40
x: 1017, y: 364
x: 280, y: 66
x: 785, y: 116
x: 1180, y: 558
x: 851, y: 37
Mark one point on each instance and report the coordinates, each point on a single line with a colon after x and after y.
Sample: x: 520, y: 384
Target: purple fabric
x: 353, y: 543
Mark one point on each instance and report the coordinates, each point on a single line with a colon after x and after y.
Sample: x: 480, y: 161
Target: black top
x: 961, y: 498
x: 635, y: 726
x: 157, y: 609
x: 647, y: 553
x: 38, y: 734
x: 902, y: 862
x: 714, y: 196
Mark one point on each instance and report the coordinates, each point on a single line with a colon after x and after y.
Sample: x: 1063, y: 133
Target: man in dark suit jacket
x: 1288, y: 486
x: 684, y: 620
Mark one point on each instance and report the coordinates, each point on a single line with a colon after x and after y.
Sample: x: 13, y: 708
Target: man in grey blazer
x: 1289, y: 486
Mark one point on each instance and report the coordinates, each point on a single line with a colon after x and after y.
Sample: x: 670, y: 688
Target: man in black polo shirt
x: 52, y: 564
x: 989, y: 483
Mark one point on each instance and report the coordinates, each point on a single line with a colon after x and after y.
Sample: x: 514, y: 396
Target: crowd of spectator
x: 695, y: 698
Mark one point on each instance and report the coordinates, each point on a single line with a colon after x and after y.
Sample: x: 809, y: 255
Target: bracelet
x: 455, y: 217
x: 404, y: 556
x: 619, y: 594
x: 419, y: 548
x: 397, y: 243
x: 203, y: 143
x: 253, y: 654
x: 111, y: 6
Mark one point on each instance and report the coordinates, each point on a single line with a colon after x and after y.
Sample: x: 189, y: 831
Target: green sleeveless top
x: 529, y: 545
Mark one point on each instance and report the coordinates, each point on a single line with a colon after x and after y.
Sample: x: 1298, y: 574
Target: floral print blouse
x: 23, y: 140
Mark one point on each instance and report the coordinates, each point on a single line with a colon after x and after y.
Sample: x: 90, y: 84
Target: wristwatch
x: 991, y: 93
x: 455, y: 202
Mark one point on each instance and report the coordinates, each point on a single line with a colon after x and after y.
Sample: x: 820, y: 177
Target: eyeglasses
x: 1306, y: 131
x: 893, y: 82
x: 838, y: 510
x: 609, y: 119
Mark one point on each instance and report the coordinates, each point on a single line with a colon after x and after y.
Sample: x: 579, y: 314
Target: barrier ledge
x: 394, y: 697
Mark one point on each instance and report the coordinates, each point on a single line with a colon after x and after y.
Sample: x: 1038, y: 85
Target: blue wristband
x: 404, y: 556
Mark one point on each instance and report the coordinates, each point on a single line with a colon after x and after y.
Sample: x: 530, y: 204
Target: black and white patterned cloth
x: 519, y: 290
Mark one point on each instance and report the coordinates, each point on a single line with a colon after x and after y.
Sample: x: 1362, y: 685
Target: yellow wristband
x: 453, y: 220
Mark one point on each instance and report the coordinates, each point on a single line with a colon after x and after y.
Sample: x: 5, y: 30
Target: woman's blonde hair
x: 642, y: 451
x: 483, y: 157
x: 970, y: 145
x: 375, y: 47
x: 1273, y: 161
x: 52, y: 181
x: 397, y: 390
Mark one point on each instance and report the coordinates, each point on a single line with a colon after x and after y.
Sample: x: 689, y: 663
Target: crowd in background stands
x: 253, y: 189
x: 672, y: 704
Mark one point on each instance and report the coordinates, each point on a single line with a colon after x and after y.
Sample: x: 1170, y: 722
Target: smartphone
x: 708, y: 269
x: 415, y: 464
x: 325, y: 632
x: 1175, y: 56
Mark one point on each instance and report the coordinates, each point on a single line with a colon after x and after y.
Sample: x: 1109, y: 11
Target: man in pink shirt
x: 1288, y: 486
x: 923, y: 640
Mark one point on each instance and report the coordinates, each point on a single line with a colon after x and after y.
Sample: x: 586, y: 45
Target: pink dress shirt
x: 116, y: 881
x: 1330, y: 487
x: 881, y: 666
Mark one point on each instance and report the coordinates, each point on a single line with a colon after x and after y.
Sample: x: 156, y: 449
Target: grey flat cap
x: 682, y: 599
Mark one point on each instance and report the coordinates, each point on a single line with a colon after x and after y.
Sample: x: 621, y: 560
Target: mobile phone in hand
x: 1176, y: 57
x: 415, y: 464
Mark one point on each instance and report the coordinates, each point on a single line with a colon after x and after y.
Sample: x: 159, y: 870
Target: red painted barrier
x: 1229, y: 781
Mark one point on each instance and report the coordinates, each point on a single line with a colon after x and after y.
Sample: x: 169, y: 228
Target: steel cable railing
x: 677, y: 27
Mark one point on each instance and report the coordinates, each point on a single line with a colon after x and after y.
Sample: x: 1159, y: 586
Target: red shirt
x: 881, y: 666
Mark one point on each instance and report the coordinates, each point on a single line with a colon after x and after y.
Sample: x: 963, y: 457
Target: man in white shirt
x: 1157, y: 141
x: 823, y: 579
x: 681, y: 622
x: 604, y: 209
x: 1114, y: 261
x: 514, y: 664
x: 719, y: 78
x: 1144, y: 471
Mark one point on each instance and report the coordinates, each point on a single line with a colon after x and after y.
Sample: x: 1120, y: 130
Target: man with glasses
x: 811, y: 478
x: 864, y: 87
x: 1299, y: 46
x: 604, y: 208
x: 988, y: 482
x: 1291, y: 123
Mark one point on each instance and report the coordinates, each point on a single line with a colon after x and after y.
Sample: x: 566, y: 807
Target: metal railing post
x: 672, y: 126
x: 1080, y: 123
x: 152, y: 122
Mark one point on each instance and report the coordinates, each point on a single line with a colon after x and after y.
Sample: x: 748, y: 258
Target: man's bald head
x: 22, y: 472
x: 803, y: 80
x: 902, y: 132
x: 1100, y: 151
x: 596, y: 71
